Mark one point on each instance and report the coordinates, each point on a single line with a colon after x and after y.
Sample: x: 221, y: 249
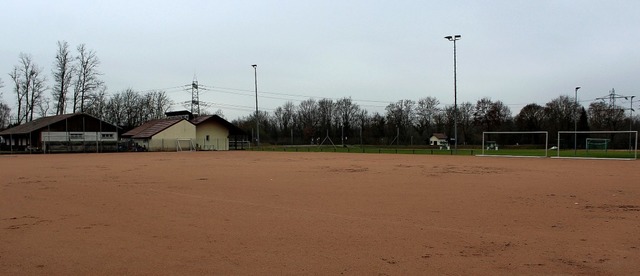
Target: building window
x: 107, y: 135
x: 206, y: 138
x: 76, y: 136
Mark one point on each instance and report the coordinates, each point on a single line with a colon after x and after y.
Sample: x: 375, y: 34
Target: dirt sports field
x: 265, y: 213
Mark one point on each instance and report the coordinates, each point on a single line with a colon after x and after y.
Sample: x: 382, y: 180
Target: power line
x: 225, y: 106
x: 182, y: 87
x: 300, y: 96
x: 294, y: 97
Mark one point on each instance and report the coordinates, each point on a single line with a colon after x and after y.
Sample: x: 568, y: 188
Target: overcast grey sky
x: 375, y: 52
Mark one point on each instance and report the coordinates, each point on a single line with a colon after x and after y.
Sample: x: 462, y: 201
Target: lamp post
x: 342, y: 134
x: 454, y: 38
x: 575, y: 124
x: 255, y: 75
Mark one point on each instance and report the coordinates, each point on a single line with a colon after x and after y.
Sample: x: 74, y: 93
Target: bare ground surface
x: 316, y: 213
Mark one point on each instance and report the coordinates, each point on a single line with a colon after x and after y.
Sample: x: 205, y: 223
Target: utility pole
x: 195, y: 97
x: 612, y: 106
x: 612, y: 98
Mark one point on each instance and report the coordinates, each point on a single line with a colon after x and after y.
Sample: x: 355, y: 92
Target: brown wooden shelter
x: 76, y: 132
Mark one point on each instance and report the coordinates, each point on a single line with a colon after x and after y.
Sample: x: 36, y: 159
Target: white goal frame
x: 179, y: 147
x: 546, y: 142
x: 635, y: 149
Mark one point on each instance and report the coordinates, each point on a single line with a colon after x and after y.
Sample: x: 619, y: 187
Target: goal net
x: 598, y: 144
x: 515, y: 143
x: 185, y: 145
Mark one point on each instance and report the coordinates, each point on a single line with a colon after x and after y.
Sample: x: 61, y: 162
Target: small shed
x: 438, y: 139
x: 163, y: 135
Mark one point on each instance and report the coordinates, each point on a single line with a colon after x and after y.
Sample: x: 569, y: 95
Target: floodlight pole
x: 342, y: 134
x: 255, y: 75
x: 575, y: 124
x: 454, y: 38
x: 631, y: 121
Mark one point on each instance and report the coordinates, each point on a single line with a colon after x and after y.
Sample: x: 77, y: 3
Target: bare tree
x: 399, y: 115
x: 16, y: 76
x: 29, y: 86
x: 152, y: 105
x: 465, y: 122
x: 121, y: 109
x: 220, y: 113
x: 37, y: 93
x: 559, y: 114
x: 62, y: 76
x: 161, y: 103
x: 307, y: 115
x: 114, y: 110
x: 130, y: 108
x: 530, y: 118
x: 326, y: 110
x: 5, y: 115
x: 426, y: 109
x: 346, y: 112
x: 605, y: 116
x: 378, y: 124
x: 43, y: 107
x: 449, y: 120
x: 362, y: 121
x: 490, y: 115
x: 146, y: 107
x: 284, y: 116
x: 87, y: 81
x: 5, y: 111
x: 97, y: 103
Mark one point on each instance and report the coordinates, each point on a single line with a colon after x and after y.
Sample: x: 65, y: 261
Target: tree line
x: 409, y: 122
x: 77, y: 87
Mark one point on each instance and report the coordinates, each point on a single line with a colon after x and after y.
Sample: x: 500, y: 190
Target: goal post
x: 622, y: 145
x: 515, y: 143
x: 185, y: 145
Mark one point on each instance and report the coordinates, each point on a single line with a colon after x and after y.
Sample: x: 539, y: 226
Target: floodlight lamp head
x: 578, y: 87
x: 254, y: 65
x: 453, y: 37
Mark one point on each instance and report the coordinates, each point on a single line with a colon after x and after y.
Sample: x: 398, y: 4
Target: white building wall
x: 212, y: 136
x: 166, y: 139
x: 62, y: 136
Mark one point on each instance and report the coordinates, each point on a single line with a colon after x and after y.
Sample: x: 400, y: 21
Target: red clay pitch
x: 265, y: 213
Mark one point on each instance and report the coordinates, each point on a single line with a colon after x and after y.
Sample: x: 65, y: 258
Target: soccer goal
x: 185, y: 145
x: 515, y: 143
x: 622, y: 145
x: 597, y: 144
